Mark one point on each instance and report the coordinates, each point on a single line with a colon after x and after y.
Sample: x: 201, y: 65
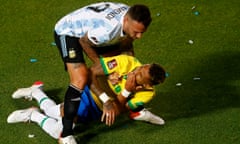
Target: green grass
x: 204, y: 111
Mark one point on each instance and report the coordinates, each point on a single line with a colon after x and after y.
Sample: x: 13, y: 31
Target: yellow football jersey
x: 121, y: 65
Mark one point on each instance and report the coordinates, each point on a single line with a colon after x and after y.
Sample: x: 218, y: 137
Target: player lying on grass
x: 145, y: 76
x: 128, y: 78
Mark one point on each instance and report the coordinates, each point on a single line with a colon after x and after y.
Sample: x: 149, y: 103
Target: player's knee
x: 80, y: 81
x: 78, y: 74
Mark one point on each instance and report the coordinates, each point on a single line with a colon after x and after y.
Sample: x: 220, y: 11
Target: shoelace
x: 29, y: 117
x: 29, y: 97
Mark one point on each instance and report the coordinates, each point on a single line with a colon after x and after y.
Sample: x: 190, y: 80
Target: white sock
x: 38, y: 94
x: 51, y: 126
x: 54, y: 112
x: 37, y: 117
x: 43, y: 100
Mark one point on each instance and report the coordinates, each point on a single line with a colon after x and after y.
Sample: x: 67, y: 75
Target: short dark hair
x: 157, y: 74
x: 140, y: 13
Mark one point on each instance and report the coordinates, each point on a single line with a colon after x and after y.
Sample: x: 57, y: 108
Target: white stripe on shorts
x: 63, y: 46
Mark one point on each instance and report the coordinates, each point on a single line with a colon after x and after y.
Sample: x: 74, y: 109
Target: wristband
x: 125, y: 93
x: 104, y: 97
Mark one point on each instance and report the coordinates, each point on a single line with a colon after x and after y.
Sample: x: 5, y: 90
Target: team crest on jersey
x: 112, y: 64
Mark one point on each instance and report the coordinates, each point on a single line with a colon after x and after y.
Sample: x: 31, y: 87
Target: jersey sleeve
x: 140, y: 98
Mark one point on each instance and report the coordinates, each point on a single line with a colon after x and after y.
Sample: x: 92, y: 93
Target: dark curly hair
x: 157, y: 74
x: 140, y: 13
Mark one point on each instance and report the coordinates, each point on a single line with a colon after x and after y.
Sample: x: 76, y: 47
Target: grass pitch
x: 199, y: 111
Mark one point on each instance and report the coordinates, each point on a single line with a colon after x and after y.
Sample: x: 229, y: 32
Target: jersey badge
x: 112, y: 64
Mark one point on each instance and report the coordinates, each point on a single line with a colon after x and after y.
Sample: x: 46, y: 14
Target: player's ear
x: 126, y: 18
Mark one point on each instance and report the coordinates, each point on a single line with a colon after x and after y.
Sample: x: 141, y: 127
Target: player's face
x: 133, y: 28
x: 142, y: 76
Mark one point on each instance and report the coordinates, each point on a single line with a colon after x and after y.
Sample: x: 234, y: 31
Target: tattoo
x: 76, y: 65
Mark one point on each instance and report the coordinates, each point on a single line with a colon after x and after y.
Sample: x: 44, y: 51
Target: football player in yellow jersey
x: 129, y: 80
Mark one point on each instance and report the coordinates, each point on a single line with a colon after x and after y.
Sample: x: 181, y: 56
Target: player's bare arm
x: 126, y: 46
x: 87, y: 47
x: 109, y: 108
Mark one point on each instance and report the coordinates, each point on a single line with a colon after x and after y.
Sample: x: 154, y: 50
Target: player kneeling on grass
x: 131, y: 82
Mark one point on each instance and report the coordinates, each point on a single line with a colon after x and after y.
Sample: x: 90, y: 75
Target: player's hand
x: 109, y: 113
x: 114, y: 78
x: 131, y: 82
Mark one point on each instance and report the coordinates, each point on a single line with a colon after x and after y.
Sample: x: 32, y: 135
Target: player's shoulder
x: 108, y: 4
x: 128, y: 60
x: 102, y: 6
x: 121, y: 59
x: 125, y: 57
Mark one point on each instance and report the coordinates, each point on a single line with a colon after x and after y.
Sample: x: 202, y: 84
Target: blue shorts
x: 88, y: 110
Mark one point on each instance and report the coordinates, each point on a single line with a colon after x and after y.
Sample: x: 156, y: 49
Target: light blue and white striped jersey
x: 102, y: 21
